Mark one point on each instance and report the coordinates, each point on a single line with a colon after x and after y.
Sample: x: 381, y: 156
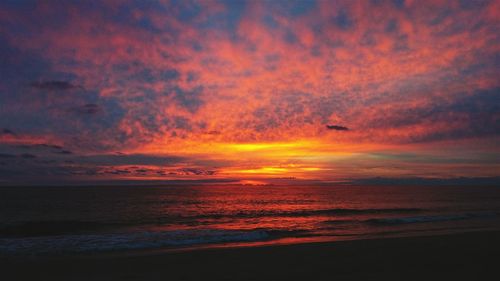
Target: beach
x: 462, y: 256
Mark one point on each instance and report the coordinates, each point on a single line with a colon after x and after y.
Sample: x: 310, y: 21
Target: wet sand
x: 466, y: 256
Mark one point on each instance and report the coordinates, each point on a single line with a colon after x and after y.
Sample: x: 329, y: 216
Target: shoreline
x: 459, y: 256
x: 281, y: 242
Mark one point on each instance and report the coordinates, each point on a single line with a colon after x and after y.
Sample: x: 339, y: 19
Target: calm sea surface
x: 61, y: 220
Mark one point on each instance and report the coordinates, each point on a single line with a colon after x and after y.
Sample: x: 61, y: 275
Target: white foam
x: 123, y: 241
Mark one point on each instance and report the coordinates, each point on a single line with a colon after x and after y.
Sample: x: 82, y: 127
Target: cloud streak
x: 54, y: 85
x: 337, y: 128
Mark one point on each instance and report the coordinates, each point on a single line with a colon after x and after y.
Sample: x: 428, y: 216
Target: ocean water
x: 73, y: 220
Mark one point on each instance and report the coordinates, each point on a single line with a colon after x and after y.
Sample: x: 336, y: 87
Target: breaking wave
x: 123, y: 241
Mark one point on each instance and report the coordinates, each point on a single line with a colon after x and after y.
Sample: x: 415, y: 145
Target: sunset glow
x: 246, y: 91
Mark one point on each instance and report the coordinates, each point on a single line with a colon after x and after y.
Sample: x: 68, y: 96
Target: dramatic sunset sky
x: 248, y: 90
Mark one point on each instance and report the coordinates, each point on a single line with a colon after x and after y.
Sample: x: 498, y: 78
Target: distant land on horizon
x: 459, y: 181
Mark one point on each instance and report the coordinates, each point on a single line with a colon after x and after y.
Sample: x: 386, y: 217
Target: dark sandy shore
x: 466, y: 256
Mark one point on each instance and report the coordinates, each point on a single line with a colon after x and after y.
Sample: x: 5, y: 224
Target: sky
x: 248, y: 91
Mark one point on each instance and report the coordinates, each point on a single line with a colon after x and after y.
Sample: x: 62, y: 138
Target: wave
x: 304, y: 213
x: 137, y: 240
x: 425, y: 219
x: 413, y: 219
x: 124, y: 241
x: 50, y: 228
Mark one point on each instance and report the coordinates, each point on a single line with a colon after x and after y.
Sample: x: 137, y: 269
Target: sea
x: 68, y: 220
